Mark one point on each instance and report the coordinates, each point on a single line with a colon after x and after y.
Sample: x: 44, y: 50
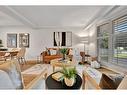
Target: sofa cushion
x: 13, y: 70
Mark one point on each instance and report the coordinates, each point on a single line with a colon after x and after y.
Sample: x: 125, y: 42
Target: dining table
x: 9, y: 53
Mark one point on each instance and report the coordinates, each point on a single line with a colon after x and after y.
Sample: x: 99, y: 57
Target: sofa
x: 54, y: 53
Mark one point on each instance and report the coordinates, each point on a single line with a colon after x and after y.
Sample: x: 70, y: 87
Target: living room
x: 82, y: 25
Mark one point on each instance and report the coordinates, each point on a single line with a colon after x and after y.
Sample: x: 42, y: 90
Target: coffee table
x: 58, y: 63
x: 53, y: 84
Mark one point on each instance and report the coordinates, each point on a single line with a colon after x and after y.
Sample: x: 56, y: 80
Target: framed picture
x: 11, y: 40
x: 24, y: 40
x: 62, y: 39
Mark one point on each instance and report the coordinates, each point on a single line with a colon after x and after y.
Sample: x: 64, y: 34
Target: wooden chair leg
x: 19, y: 60
x: 84, y: 81
x: 24, y: 60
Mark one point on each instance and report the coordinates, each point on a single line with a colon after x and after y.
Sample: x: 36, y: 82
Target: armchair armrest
x: 31, y: 80
x: 44, y: 53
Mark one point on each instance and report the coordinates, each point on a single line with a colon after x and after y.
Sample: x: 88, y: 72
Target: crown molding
x: 102, y: 13
x: 13, y: 13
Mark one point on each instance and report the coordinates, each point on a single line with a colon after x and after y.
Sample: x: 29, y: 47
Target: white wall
x: 41, y: 38
x: 92, y: 47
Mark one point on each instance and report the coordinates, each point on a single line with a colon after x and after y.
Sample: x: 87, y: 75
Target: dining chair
x: 21, y: 56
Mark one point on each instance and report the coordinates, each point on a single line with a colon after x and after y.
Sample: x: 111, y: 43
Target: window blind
x: 120, y: 24
x: 120, y: 40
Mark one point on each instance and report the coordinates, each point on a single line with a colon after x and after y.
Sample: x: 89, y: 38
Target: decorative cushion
x: 48, y: 51
x: 70, y: 52
x: 5, y: 81
x: 13, y: 70
x: 58, y: 51
x: 53, y: 52
x: 95, y: 64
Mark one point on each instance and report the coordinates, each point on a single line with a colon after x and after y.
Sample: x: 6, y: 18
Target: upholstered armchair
x: 12, y: 78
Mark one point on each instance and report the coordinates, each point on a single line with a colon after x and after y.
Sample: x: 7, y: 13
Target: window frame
x: 102, y: 37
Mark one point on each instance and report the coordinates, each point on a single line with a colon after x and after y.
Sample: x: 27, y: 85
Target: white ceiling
x: 6, y: 20
x: 52, y: 16
x: 58, y: 15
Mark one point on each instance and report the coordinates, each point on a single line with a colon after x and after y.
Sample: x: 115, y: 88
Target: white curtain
x: 57, y: 38
x: 60, y: 38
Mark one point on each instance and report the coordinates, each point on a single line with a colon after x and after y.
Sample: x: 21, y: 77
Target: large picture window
x: 113, y: 44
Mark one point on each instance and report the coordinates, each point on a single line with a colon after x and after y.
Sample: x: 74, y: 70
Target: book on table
x: 57, y: 76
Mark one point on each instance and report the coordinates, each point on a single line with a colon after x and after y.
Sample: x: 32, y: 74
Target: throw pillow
x: 95, y: 64
x: 58, y: 51
x: 70, y: 52
x: 48, y: 51
x: 106, y: 82
x: 53, y: 52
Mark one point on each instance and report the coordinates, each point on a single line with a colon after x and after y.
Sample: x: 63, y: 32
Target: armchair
x: 14, y: 79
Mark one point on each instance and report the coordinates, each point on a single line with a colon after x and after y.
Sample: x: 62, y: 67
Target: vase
x: 64, y: 56
x: 69, y: 81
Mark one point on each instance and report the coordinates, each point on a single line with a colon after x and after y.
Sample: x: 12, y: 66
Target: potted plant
x: 64, y: 52
x: 69, y: 76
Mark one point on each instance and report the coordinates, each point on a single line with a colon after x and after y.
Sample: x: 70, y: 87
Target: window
x: 112, y: 45
x: 120, y: 40
x: 102, y: 41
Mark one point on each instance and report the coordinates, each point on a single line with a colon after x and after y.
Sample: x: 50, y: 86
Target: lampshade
x: 84, y: 40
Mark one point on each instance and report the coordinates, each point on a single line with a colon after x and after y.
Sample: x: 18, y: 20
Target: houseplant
x: 69, y: 76
x: 64, y: 52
